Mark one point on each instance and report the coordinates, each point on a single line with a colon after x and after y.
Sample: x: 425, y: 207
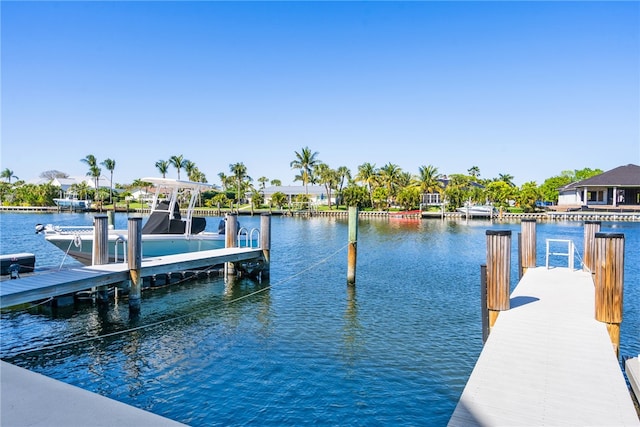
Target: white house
x: 317, y: 193
x: 616, y: 188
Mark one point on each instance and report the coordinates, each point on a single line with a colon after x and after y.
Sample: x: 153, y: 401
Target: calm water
x: 303, y: 348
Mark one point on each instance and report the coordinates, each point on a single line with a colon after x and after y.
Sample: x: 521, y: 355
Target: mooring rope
x: 193, y: 313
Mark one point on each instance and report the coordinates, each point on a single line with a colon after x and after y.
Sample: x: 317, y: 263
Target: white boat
x: 72, y: 202
x: 166, y: 231
x: 478, y: 210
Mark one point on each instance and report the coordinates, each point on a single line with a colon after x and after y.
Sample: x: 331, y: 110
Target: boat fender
x: 77, y: 241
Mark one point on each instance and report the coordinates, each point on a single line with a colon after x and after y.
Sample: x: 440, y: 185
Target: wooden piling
x: 265, y: 244
x: 609, y: 283
x: 352, y: 251
x: 590, y: 230
x: 498, y: 272
x: 528, y: 247
x: 231, y: 240
x: 134, y: 260
x: 100, y: 251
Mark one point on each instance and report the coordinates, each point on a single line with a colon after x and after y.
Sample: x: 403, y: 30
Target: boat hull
x: 80, y: 246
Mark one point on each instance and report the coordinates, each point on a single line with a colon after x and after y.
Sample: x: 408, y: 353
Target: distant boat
x: 165, y: 232
x: 478, y: 210
x: 72, y: 202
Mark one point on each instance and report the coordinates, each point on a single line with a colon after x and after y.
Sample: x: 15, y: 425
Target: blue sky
x: 524, y: 88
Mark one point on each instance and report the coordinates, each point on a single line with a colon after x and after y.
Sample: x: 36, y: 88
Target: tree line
x: 369, y: 186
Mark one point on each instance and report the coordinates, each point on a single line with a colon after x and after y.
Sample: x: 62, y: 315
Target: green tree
x: 305, y: 161
x: 505, y: 177
x: 408, y: 197
x: 368, y: 175
x: 239, y: 171
x: 390, y: 177
x: 355, y: 195
x: 110, y: 165
x: 8, y: 175
x: 94, y: 172
x: 429, y: 180
x: 474, y: 171
x: 178, y: 163
x: 279, y: 199
x: 328, y: 177
x: 528, y: 195
x: 276, y: 182
x: 163, y: 167
x: 499, y: 193
x: 458, y: 191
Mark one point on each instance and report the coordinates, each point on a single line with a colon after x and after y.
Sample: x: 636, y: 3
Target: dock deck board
x: 62, y: 282
x: 547, y: 361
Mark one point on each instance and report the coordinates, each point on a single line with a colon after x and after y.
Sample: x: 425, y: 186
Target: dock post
x: 265, y: 244
x: 352, y: 251
x: 231, y: 240
x: 498, y: 272
x: 134, y: 260
x: 590, y: 230
x: 100, y: 253
x: 528, y: 256
x: 609, y: 283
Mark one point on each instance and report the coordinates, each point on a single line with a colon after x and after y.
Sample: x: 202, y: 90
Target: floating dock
x: 547, y: 361
x: 53, y: 284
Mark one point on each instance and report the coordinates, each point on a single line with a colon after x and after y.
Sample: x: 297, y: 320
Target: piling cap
x: 592, y: 222
x: 609, y: 235
x: 528, y: 220
x: 498, y: 232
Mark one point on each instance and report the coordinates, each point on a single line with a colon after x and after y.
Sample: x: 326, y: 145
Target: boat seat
x: 176, y: 226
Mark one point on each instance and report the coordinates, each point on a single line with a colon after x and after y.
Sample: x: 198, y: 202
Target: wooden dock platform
x: 52, y: 284
x: 547, y: 361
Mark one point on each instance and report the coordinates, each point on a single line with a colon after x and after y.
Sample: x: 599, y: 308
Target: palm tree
x: 390, y: 175
x: 110, y: 165
x: 505, y: 177
x: 263, y: 182
x: 225, y: 180
x: 94, y: 171
x: 8, y: 174
x: 163, y: 167
x: 239, y: 171
x: 367, y: 174
x: 189, y: 168
x: 474, y: 171
x: 306, y: 162
x: 429, y: 180
x: 177, y: 162
x: 328, y: 177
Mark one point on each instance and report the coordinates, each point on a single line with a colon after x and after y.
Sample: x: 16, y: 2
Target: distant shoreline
x: 595, y: 215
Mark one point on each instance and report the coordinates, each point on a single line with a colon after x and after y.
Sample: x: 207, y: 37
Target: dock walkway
x: 547, y: 361
x: 53, y: 284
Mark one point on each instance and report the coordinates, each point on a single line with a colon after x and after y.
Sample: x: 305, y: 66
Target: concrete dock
x: 31, y: 399
x: 547, y: 361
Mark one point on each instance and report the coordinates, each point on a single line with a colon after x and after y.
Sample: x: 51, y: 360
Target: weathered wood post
x: 100, y: 251
x: 498, y: 272
x: 528, y: 247
x: 134, y: 262
x: 352, y: 250
x: 590, y: 230
x: 484, y: 310
x: 609, y: 283
x: 265, y: 244
x: 231, y: 240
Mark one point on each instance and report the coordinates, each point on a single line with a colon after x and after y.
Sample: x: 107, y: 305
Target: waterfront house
x: 317, y: 193
x: 616, y: 188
